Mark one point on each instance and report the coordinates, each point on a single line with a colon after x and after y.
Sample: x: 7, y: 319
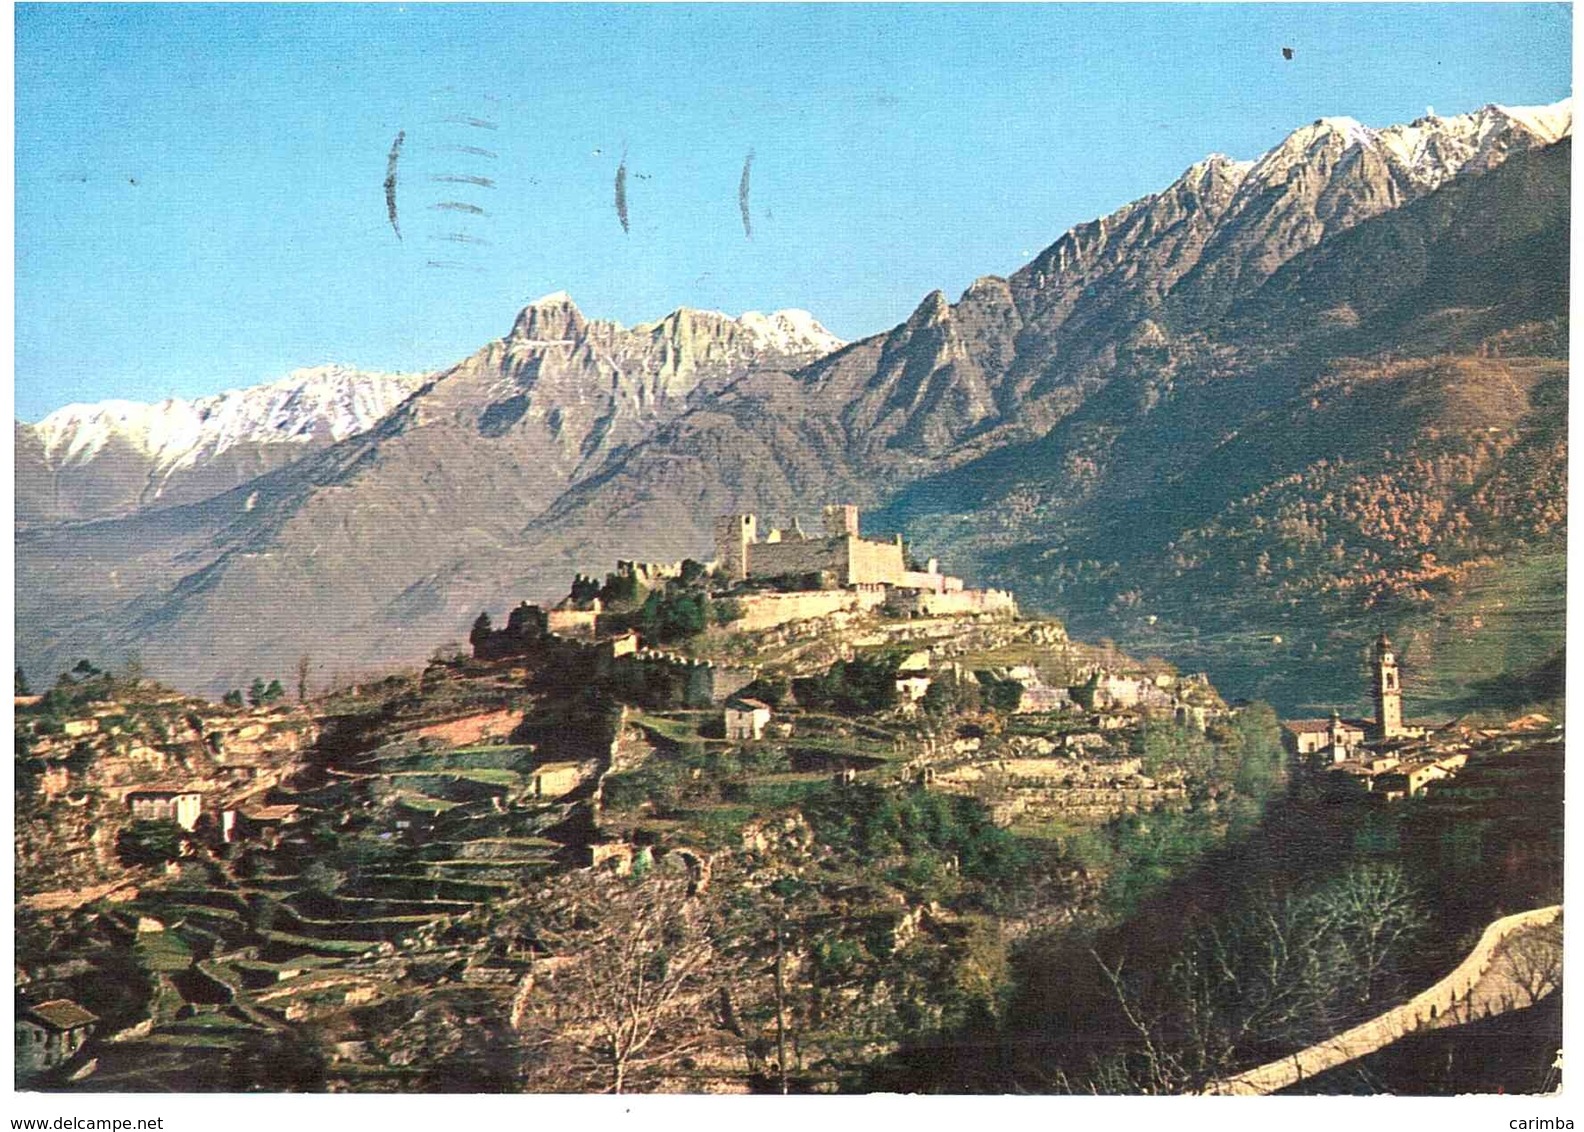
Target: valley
x: 1124, y: 679
x: 858, y: 828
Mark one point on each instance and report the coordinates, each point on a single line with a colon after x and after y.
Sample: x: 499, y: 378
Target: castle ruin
x: 841, y: 552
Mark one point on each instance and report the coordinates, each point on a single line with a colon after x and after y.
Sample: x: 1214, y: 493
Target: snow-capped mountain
x: 1227, y: 223
x: 1044, y: 412
x: 87, y: 461
x: 114, y: 457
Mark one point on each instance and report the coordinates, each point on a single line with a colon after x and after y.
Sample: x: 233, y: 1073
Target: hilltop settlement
x: 839, y: 789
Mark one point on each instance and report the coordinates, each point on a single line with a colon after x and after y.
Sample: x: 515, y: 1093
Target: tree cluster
x: 260, y: 694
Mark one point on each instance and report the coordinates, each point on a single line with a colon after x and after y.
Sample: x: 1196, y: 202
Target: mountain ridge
x: 571, y: 441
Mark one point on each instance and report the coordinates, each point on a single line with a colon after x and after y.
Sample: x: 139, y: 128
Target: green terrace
x: 490, y: 848
x: 286, y: 945
x: 430, y: 885
x: 430, y: 781
x: 424, y: 804
x: 461, y: 759
x: 677, y: 727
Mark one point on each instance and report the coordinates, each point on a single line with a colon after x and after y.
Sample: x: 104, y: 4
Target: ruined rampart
x: 766, y: 611
x: 957, y: 603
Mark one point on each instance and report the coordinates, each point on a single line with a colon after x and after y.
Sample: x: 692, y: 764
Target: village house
x: 913, y: 677
x: 1190, y: 715
x: 555, y: 780
x: 1043, y: 697
x: 50, y: 1034
x: 618, y: 856
x: 746, y: 719
x: 1105, y: 690
x: 180, y: 806
x: 268, y: 823
x: 1410, y: 778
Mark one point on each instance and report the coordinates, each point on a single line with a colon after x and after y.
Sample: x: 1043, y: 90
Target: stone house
x: 619, y: 856
x: 1191, y: 715
x: 624, y: 645
x: 180, y: 806
x: 556, y: 780
x: 1330, y: 738
x: 267, y: 823
x: 746, y: 719
x: 50, y: 1034
x: 1409, y: 779
x: 1043, y: 697
x: 913, y: 676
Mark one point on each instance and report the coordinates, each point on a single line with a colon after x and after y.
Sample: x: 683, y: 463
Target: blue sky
x: 200, y: 199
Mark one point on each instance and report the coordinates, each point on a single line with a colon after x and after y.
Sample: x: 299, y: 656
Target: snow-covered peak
x: 329, y: 402
x: 790, y: 331
x: 1427, y: 152
x: 554, y: 319
x: 1217, y: 167
x: 793, y: 332
x: 1550, y: 123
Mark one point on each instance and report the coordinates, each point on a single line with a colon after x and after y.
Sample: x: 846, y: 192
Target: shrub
x: 150, y: 842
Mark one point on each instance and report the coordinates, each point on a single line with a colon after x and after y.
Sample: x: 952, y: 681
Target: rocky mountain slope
x: 1375, y: 431
x: 1066, y: 431
x: 362, y: 551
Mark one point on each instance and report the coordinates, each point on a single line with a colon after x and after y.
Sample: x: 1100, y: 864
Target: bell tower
x: 1388, y: 690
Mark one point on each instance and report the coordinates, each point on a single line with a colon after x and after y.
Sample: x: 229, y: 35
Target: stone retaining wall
x: 1423, y: 1010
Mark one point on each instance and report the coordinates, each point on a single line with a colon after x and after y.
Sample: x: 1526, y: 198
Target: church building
x: 1335, y: 740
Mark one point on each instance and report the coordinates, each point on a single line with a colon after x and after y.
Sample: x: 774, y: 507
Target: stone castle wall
x: 766, y: 611
x: 958, y: 602
x: 799, y: 556
x: 872, y: 562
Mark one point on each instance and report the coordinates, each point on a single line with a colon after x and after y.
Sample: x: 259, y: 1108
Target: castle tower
x: 1388, y: 690
x: 733, y: 535
x: 841, y: 519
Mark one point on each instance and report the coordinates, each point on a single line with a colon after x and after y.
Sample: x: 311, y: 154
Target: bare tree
x: 632, y: 986
x: 304, y: 666
x: 132, y: 676
x: 1370, y: 913
x: 1534, y: 961
x: 1273, y: 977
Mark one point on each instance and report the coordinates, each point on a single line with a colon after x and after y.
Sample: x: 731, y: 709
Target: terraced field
x: 403, y: 838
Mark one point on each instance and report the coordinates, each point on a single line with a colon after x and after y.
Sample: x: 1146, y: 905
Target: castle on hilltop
x: 841, y: 552
x: 753, y: 584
